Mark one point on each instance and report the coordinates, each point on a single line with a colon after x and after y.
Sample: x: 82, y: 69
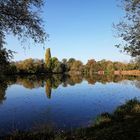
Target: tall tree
x: 129, y: 28
x: 48, y: 59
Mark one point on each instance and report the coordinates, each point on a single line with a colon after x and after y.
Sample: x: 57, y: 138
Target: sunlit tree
x: 22, y: 19
x: 129, y: 28
x: 48, y: 59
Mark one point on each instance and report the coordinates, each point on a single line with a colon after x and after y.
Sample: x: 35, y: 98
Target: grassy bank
x: 123, y: 124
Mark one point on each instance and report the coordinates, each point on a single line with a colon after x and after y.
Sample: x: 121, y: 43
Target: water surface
x: 63, y: 102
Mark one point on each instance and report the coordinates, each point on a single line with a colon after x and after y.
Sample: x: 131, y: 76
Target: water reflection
x: 77, y: 100
x: 3, y: 88
x: 48, y: 88
x: 54, y: 81
x: 4, y: 83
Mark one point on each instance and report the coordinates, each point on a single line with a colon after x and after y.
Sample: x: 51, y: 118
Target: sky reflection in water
x: 64, y: 102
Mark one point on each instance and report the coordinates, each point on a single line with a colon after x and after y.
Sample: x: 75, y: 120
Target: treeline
x: 108, y: 67
x: 53, y: 65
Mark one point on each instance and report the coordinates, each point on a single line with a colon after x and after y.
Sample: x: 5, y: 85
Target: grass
x: 123, y: 124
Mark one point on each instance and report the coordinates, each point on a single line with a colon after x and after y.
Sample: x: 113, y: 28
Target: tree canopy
x: 22, y: 19
x: 129, y: 28
x: 5, y: 56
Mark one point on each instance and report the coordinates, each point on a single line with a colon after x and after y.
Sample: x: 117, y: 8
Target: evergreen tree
x: 48, y: 59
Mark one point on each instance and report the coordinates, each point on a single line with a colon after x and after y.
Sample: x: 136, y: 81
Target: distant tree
x: 102, y: 64
x: 26, y: 66
x: 54, y: 63
x: 64, y: 60
x: 77, y: 66
x: 109, y: 67
x: 71, y: 60
x: 129, y: 28
x: 29, y: 66
x: 64, y: 65
x: 48, y: 59
x: 119, y: 66
x: 90, y: 66
x: 58, y: 68
x: 131, y: 65
x: 70, y: 63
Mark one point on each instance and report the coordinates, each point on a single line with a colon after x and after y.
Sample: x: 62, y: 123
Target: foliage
x: 129, y: 28
x: 48, y: 59
x: 90, y: 66
x: 30, y: 66
x: 77, y: 66
x: 56, y: 66
x: 103, y: 118
x: 53, y: 65
x: 108, y: 67
x: 22, y: 19
x: 5, y: 56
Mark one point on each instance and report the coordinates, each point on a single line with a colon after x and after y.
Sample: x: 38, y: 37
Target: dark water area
x: 61, y: 101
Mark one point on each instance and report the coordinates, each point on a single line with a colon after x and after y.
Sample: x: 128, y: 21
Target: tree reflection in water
x: 3, y: 88
x: 4, y: 83
x: 54, y: 81
x: 48, y: 88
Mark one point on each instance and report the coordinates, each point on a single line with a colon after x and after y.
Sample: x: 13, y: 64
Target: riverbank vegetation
x: 22, y: 19
x: 122, y: 124
x: 73, y: 66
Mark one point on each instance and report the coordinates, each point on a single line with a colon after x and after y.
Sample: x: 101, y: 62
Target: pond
x: 61, y: 101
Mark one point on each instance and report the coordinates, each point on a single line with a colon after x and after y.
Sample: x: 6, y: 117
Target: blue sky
x: 81, y: 29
